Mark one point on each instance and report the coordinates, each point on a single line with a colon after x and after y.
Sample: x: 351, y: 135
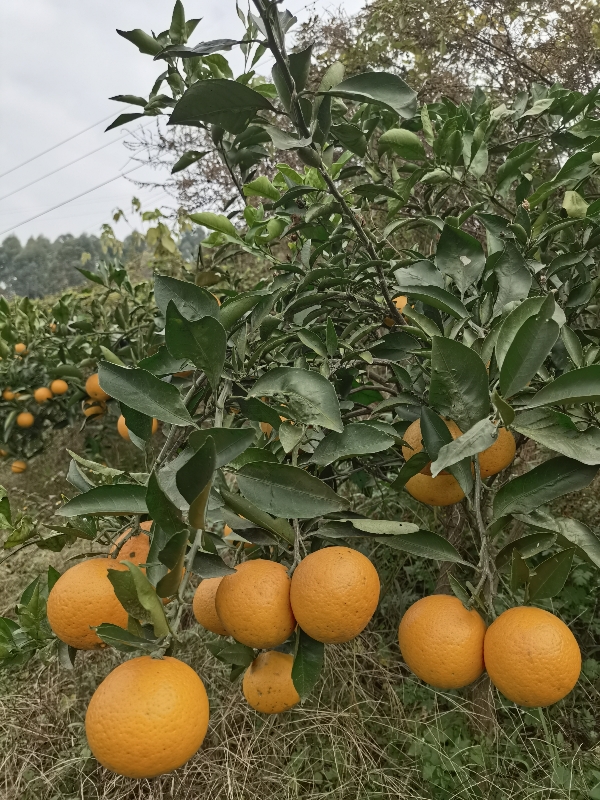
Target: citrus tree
x: 431, y: 308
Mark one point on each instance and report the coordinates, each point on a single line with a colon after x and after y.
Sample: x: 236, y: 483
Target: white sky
x: 60, y: 61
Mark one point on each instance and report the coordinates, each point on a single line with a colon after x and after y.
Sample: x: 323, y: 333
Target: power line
x: 64, y: 141
x: 70, y: 163
x: 71, y: 199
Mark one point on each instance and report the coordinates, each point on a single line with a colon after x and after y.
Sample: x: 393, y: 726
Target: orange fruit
x: 8, y: 395
x: 59, y: 386
x: 204, y: 606
x: 443, y: 490
x: 53, y: 327
x: 531, y: 656
x: 400, y: 302
x: 147, y: 717
x: 3, y: 452
x: 83, y: 598
x: 42, y: 395
x: 499, y: 455
x: 413, y: 439
x: 334, y: 594
x: 388, y: 322
x: 124, y: 431
x: 94, y: 390
x: 442, y: 642
x: 93, y: 408
x: 21, y: 349
x: 18, y: 466
x: 25, y: 419
x: 136, y: 548
x: 254, y: 604
x: 185, y: 374
x: 266, y: 428
x: 268, y: 685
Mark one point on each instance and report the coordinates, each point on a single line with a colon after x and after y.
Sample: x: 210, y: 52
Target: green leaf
x: 160, y: 507
x: 203, y: 342
x: 215, y: 222
x: 414, y: 465
x: 144, y: 42
x: 519, y: 571
x: 425, y: 544
x: 187, y: 159
x: 504, y: 409
x: 573, y: 345
x: 395, y: 346
x: 261, y: 187
x: 254, y: 409
x: 573, y: 532
x: 358, y: 438
x: 459, y: 383
x: 382, y: 527
x: 244, y: 508
x: 529, y: 349
x: 528, y: 546
x: 571, y: 388
x: 149, y: 600
x: 290, y: 435
x: 144, y: 392
x: 227, y: 103
x: 460, y: 256
x: 515, y: 320
x: 125, y: 641
x: 121, y: 498
x: 229, y: 442
x: 477, y: 439
x: 541, y: 485
x: 437, y: 298
x: 137, y: 424
x: 122, y: 119
x: 174, y: 553
x: 177, y: 31
x: 194, y: 479
x: 575, y: 206
x: 162, y: 363
x: 514, y: 278
x: 313, y: 341
x: 436, y: 435
x: 311, y: 398
x: 308, y: 663
x: 234, y: 309
x: 192, y: 301
x: 351, y: 138
x: 110, y: 356
x: 207, y: 565
x: 403, y: 143
x: 378, y: 88
x: 551, y: 575
x: 558, y: 432
x: 228, y: 653
x: 287, y: 491
x: 421, y: 273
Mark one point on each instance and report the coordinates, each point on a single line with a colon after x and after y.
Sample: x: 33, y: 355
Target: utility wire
x: 70, y: 163
x: 71, y: 199
x: 64, y: 141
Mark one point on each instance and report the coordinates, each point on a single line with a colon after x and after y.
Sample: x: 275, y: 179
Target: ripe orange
x: 83, y: 598
x: 53, y: 327
x: 443, y: 490
x: 8, y: 395
x: 334, y: 594
x: 204, y: 606
x: 147, y: 717
x: 254, y: 604
x: 388, y: 322
x: 268, y: 685
x: 59, y: 386
x: 21, y: 349
x: 499, y: 455
x: 3, y: 452
x: 400, y: 302
x: 413, y: 439
x: 25, y: 419
x: 266, y: 428
x: 442, y: 642
x: 136, y: 548
x: 124, y: 431
x: 18, y: 466
x: 93, y: 408
x: 94, y: 390
x: 42, y: 395
x: 531, y: 656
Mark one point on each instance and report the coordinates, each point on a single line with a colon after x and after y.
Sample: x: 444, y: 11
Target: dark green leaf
x: 308, y: 663
x: 121, y: 498
x: 477, y: 439
x: 177, y: 30
x: 138, y: 424
x: 229, y: 442
x: 160, y: 507
x: 571, y: 388
x: 201, y: 49
x: 122, y: 119
x: 379, y: 88
x: 504, y: 409
x: 144, y: 392
x: 194, y: 481
x: 437, y: 298
x: 403, y: 143
x: 203, y: 342
x: 149, y: 600
x: 207, y: 565
x: 558, y: 432
x: 192, y: 301
x: 351, y: 138
x: 144, y: 42
x: 513, y: 322
x: 187, y: 159
x: 551, y: 575
x: 460, y: 256
x: 254, y: 409
x: 380, y: 527
x: 421, y: 273
x: 227, y: 103
x: 574, y: 532
x: 395, y: 346
x: 124, y: 641
x: 424, y: 544
x: 528, y: 546
x: 236, y: 653
x: 414, y: 465
x: 514, y: 278
x: 77, y: 479
x: 162, y: 363
x: 357, y: 438
x: 244, y: 508
x: 541, y: 485
x: 459, y: 383
x: 233, y: 310
x: 519, y: 571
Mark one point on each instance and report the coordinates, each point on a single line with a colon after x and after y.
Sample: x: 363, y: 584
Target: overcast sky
x: 60, y: 61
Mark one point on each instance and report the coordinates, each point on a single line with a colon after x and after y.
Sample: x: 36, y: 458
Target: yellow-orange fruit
x: 53, y: 327
x: 124, y: 430
x: 442, y: 642
x: 18, y: 466
x: 254, y: 604
x: 388, y: 322
x: 400, y: 302
x: 20, y: 349
x: 42, y: 395
x: 8, y: 395
x: 147, y: 717
x: 93, y: 408
x: 3, y: 452
x: 268, y: 685
x: 59, y: 386
x: 92, y: 387
x: 413, y: 439
x: 443, y: 490
x: 266, y: 428
x: 25, y: 419
x: 334, y: 594
x: 499, y: 455
x: 83, y: 598
x: 204, y: 606
x: 185, y: 374
x: 136, y: 548
x: 531, y: 656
